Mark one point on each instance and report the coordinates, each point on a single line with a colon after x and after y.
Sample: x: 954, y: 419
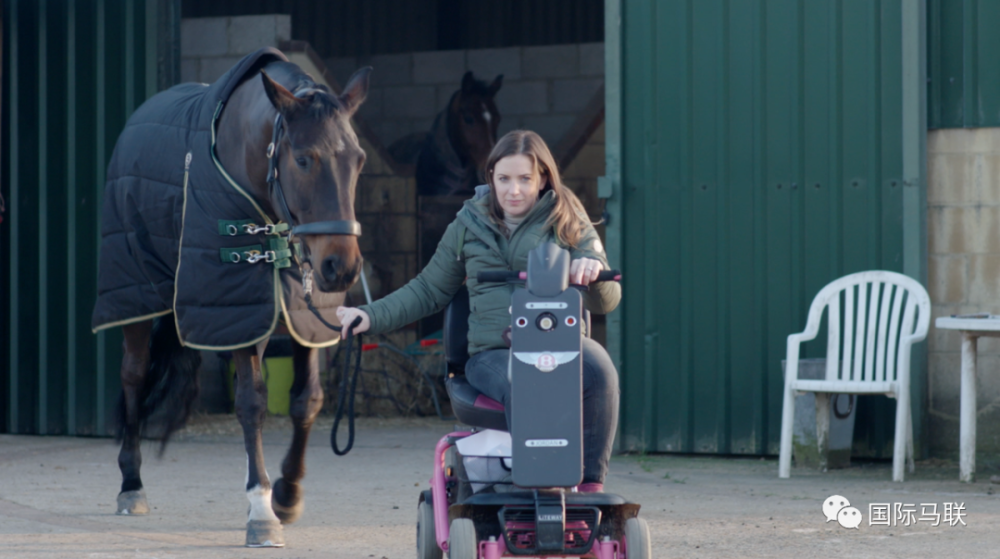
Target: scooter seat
x: 473, y: 408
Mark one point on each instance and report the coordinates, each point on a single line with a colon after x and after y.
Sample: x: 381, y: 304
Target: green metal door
x: 762, y: 156
x: 72, y: 73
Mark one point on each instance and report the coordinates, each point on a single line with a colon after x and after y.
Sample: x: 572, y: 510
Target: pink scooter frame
x: 607, y: 549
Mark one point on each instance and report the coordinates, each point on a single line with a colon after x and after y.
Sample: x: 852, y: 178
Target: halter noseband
x: 334, y: 227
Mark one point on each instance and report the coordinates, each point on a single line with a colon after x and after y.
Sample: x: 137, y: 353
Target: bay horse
x: 453, y: 154
x: 284, y: 125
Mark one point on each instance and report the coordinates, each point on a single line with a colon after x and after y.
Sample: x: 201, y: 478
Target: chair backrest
x: 456, y: 330
x: 873, y: 318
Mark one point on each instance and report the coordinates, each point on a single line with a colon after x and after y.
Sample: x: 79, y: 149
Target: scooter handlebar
x: 504, y: 276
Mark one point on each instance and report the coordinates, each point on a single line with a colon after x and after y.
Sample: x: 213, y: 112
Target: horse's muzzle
x: 337, y: 276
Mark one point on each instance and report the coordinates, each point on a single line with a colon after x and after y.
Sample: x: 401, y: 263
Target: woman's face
x: 517, y: 184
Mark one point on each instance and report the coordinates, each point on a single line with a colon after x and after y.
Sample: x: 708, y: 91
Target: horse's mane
x: 322, y: 103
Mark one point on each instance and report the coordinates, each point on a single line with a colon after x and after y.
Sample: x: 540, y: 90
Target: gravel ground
x: 57, y: 499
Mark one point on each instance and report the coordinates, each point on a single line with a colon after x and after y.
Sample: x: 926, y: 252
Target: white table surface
x: 971, y: 329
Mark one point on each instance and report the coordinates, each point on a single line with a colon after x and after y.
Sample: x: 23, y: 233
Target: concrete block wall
x: 963, y: 233
x: 544, y: 88
x: 211, y: 46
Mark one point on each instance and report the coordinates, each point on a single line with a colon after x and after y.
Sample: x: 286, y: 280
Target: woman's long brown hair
x: 568, y: 216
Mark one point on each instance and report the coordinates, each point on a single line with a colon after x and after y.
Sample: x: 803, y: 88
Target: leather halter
x: 333, y: 227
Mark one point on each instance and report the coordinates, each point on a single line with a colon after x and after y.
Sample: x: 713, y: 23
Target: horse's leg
x: 263, y: 527
x: 306, y: 402
x: 135, y: 367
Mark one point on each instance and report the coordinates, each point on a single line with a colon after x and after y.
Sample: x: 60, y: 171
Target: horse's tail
x: 170, y: 386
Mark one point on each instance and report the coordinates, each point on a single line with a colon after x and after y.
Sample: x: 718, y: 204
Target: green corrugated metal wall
x: 761, y: 157
x: 964, y: 75
x: 73, y: 70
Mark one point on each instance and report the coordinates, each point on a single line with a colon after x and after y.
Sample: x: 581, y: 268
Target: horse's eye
x: 302, y: 162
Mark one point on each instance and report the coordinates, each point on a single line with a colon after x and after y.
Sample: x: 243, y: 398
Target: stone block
x: 989, y: 188
x: 249, y: 33
x: 213, y: 68
x: 445, y: 66
x: 984, y: 279
x: 947, y: 277
x: 572, y: 96
x: 982, y: 225
x: 341, y: 68
x: 487, y: 63
x: 525, y: 98
x: 949, y: 229
x: 950, y: 178
x: 550, y: 128
x: 409, y: 101
x: 553, y: 61
x: 508, y: 123
x: 204, y: 37
x: 390, y: 130
x: 389, y: 69
x: 444, y: 93
x: 190, y: 69
x: 588, y: 163
x: 592, y: 59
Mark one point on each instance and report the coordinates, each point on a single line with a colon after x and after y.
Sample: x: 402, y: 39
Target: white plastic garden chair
x: 884, y: 314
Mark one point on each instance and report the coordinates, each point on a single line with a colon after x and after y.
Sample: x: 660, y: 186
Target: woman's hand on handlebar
x: 583, y: 271
x: 346, y: 315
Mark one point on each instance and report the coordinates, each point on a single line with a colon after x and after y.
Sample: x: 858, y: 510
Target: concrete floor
x: 57, y: 500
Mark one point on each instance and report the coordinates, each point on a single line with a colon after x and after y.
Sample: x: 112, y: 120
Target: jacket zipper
x: 187, y: 168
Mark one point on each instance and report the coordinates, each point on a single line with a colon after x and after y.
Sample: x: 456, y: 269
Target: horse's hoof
x: 264, y: 533
x: 132, y: 503
x: 286, y: 501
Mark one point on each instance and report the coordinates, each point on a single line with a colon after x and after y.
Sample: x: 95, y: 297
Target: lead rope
x: 348, y: 382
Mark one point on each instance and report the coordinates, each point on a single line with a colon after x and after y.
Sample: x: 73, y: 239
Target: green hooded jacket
x: 474, y: 243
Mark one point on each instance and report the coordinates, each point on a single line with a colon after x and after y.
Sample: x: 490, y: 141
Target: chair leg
x: 909, y: 443
x: 787, y: 422
x: 902, y: 430
x: 823, y: 428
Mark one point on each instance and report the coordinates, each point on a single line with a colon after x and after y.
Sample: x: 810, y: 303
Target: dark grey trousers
x: 487, y: 372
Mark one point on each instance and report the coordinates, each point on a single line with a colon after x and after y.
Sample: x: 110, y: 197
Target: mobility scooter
x: 495, y: 494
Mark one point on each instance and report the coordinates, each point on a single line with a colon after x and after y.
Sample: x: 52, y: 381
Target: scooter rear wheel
x: 427, y: 547
x: 637, y: 544
x: 462, y: 542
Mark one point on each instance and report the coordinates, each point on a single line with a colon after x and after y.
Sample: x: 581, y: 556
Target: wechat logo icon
x: 839, y: 508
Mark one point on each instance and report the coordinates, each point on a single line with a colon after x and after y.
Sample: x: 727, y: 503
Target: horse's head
x: 318, y: 163
x: 473, y: 119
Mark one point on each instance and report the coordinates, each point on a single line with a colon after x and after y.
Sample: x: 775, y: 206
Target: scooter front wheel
x: 637, y: 544
x: 462, y: 542
x: 427, y: 547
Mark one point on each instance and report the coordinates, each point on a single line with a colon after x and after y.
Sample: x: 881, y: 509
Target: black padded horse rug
x: 174, y: 235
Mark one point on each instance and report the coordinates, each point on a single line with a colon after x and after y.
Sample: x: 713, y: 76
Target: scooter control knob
x: 546, y: 322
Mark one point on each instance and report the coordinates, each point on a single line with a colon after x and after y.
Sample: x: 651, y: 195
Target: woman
x: 524, y: 204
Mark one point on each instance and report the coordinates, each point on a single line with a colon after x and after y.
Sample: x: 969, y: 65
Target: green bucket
x: 279, y: 374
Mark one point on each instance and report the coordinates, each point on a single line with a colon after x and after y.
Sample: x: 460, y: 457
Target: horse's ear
x: 356, y: 90
x: 468, y: 81
x: 281, y: 98
x: 495, y: 86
